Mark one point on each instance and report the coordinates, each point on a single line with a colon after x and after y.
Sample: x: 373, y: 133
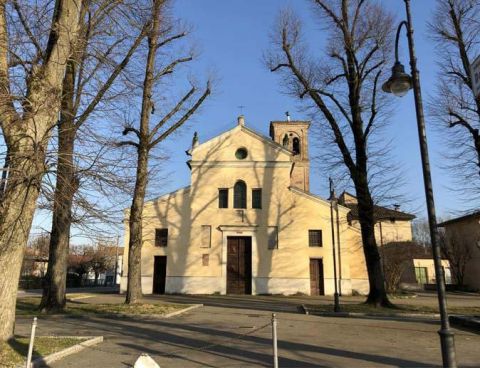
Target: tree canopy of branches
x: 397, y: 257
x: 456, y: 31
x: 344, y: 91
x: 102, y: 51
x: 456, y: 249
x: 32, y: 66
x: 147, y: 136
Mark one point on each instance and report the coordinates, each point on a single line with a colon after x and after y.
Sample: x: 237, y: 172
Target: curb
x: 470, y: 323
x: 44, y: 361
x: 181, y: 311
x: 416, y: 316
x: 116, y: 315
x: 149, y: 316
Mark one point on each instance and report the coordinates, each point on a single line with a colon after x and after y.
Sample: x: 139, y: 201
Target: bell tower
x: 293, y: 135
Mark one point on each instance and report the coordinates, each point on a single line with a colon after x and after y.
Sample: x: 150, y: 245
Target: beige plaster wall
x: 428, y: 263
x: 468, y: 232
x: 396, y: 231
x: 293, y: 211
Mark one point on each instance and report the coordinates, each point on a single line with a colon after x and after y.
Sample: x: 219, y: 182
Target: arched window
x: 296, y: 146
x: 240, y: 195
x: 285, y: 140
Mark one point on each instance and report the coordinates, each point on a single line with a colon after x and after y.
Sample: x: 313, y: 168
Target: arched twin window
x: 296, y: 146
x: 240, y: 195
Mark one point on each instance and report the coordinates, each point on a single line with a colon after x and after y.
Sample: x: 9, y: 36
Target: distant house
x: 391, y: 225
x: 462, y: 235
x: 34, y: 263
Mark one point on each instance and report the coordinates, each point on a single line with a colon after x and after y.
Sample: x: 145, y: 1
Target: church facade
x: 248, y: 224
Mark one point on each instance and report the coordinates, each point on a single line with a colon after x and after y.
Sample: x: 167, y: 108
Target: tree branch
x: 170, y: 39
x: 170, y: 67
x: 27, y: 29
x: 461, y: 121
x: 373, y: 107
x: 130, y: 129
x: 172, y: 112
x: 183, y: 119
x: 338, y: 104
x: 127, y: 143
x: 317, y: 99
x: 279, y: 66
x: 118, y: 69
x: 8, y: 114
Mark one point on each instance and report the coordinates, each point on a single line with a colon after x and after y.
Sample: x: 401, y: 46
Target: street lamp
x: 399, y: 84
x: 334, y: 203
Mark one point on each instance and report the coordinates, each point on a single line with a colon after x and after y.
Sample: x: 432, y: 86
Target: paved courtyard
x: 226, y: 336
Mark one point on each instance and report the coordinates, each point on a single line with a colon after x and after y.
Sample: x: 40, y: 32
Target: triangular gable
x: 262, y: 147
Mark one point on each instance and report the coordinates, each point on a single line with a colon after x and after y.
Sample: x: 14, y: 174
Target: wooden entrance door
x: 159, y: 274
x: 239, y: 265
x: 316, y: 277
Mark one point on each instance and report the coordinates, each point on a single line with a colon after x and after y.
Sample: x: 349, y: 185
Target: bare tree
x: 99, y: 258
x: 421, y: 232
x: 458, y: 252
x: 344, y: 92
x: 91, y: 72
x: 148, y: 137
x: 34, y: 257
x: 456, y: 30
x: 32, y: 67
x: 397, y: 258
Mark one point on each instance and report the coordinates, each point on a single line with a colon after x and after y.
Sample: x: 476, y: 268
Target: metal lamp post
x: 333, y: 202
x: 399, y: 84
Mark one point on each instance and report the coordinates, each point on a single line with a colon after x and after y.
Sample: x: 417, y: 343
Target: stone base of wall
x: 260, y: 285
x: 360, y: 286
x: 193, y: 285
x: 278, y: 285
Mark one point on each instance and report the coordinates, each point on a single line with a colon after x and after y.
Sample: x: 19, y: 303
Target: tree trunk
x: 134, y: 284
x: 377, y: 295
x: 27, y: 137
x: 16, y: 215
x: 66, y: 185
x: 135, y: 242
x: 95, y: 282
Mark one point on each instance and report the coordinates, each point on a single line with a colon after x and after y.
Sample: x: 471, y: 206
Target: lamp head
x: 399, y: 83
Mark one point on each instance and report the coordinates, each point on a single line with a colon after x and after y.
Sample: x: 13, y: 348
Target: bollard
x: 274, y: 341
x: 30, y: 346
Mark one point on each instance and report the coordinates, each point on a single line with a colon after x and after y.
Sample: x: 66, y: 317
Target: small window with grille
x: 257, y: 198
x: 315, y: 238
x: 223, y: 198
x: 161, y: 237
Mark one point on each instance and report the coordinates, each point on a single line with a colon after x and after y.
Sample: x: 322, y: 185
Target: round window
x: 241, y: 153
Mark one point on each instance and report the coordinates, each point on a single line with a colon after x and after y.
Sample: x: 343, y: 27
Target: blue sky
x: 232, y: 36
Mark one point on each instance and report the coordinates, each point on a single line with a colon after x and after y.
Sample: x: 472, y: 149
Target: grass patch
x: 399, y: 309
x: 29, y: 307
x: 14, y: 352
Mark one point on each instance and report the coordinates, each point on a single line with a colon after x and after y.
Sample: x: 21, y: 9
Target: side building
x: 462, y: 235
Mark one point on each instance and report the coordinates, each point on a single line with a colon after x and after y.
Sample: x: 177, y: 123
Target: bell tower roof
x: 282, y: 124
x: 293, y: 135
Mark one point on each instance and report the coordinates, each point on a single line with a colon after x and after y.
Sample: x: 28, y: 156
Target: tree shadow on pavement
x: 183, y: 344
